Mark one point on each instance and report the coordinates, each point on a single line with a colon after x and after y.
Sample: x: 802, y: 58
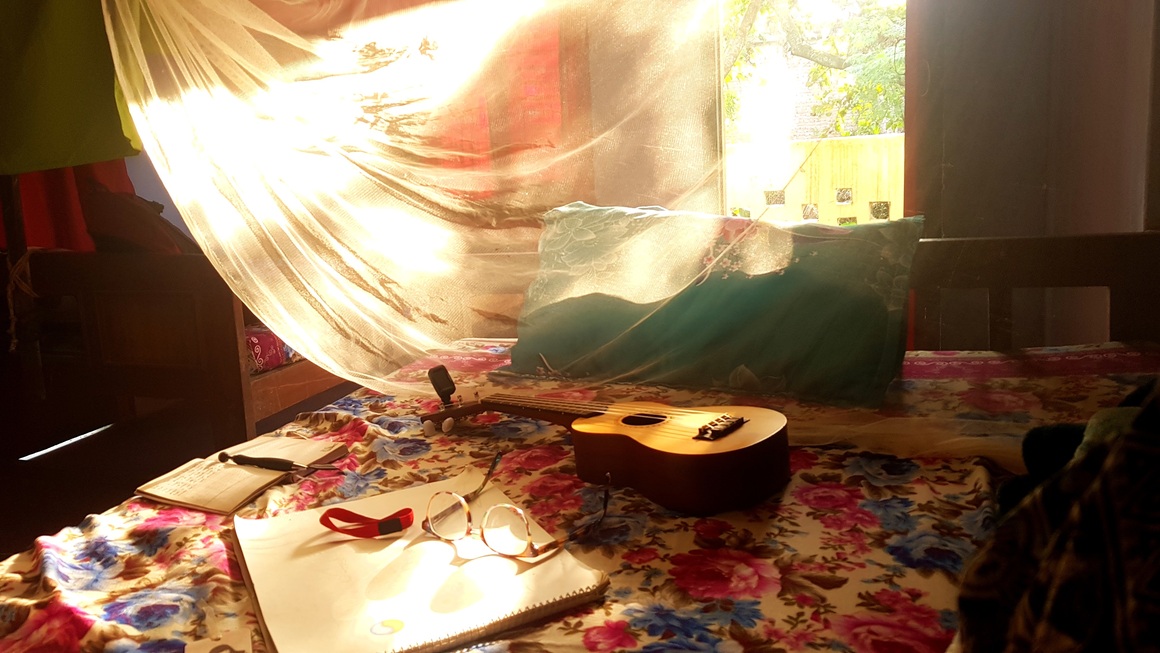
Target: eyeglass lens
x: 448, y: 516
x: 504, y: 528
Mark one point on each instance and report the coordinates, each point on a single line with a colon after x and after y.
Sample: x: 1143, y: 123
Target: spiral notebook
x: 317, y: 590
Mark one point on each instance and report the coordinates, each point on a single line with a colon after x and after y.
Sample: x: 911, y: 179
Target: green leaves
x: 868, y: 96
x: 858, y: 76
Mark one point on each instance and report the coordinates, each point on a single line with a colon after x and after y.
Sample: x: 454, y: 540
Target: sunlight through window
x: 813, y: 102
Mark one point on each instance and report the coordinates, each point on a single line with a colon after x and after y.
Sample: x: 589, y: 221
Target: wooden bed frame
x: 1124, y: 263
x: 116, y: 332
x: 166, y: 326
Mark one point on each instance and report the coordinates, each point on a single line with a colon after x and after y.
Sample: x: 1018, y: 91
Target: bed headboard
x: 1125, y: 263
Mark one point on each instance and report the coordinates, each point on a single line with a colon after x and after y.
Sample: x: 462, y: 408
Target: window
x: 813, y: 109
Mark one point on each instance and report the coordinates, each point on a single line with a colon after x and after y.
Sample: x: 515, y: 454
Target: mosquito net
x: 376, y: 178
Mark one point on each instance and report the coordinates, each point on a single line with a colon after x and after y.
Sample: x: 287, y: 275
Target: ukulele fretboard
x: 571, y: 408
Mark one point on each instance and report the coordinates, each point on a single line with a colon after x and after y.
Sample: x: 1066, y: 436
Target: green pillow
x: 812, y: 311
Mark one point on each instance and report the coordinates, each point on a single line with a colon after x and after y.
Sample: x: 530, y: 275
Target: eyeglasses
x: 505, y: 529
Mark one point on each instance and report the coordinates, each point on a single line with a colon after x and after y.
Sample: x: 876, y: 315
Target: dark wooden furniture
x: 1124, y: 263
x: 109, y: 336
x: 149, y: 327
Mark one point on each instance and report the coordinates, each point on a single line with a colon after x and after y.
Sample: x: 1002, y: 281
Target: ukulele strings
x: 660, y: 430
x: 579, y: 407
x: 583, y: 408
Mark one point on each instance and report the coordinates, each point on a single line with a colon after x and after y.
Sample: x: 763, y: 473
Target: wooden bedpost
x: 22, y: 313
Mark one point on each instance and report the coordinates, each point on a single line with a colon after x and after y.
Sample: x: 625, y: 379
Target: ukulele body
x: 653, y: 448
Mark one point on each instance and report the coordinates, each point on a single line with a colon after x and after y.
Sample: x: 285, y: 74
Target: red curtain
x: 50, y: 201
x: 534, y: 109
x: 525, y: 115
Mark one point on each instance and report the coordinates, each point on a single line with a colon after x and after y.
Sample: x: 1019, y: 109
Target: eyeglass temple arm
x: 584, y: 529
x: 469, y: 497
x: 577, y: 532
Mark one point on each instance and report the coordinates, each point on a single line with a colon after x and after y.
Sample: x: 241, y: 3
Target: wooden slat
x: 1050, y: 262
x: 22, y: 310
x: 13, y: 217
x: 1000, y: 318
x: 58, y: 272
x: 285, y: 386
x: 1152, y: 169
x: 924, y: 112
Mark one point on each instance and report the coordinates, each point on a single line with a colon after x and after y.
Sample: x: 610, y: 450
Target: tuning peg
x: 445, y: 426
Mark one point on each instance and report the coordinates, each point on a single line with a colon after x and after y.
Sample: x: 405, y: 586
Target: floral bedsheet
x: 861, y: 552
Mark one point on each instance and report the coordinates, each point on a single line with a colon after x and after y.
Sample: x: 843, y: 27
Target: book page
x: 300, y: 450
x: 317, y: 590
x: 210, y: 485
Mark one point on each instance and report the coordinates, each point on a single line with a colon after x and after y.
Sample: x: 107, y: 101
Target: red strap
x: 362, y: 526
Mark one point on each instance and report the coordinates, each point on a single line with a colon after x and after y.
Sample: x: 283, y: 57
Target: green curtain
x: 58, y: 99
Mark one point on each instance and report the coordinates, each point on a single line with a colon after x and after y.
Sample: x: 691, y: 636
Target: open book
x: 223, y: 487
x: 317, y: 590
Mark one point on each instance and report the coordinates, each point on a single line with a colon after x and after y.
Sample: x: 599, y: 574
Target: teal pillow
x: 812, y: 311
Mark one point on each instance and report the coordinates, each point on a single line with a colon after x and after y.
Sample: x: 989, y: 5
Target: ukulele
x: 698, y: 461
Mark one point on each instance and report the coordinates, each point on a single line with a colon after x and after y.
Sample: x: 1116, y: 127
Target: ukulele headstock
x: 453, y: 409
x: 446, y: 418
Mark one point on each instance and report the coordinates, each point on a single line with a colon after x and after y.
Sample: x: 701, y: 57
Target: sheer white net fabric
x: 361, y: 172
x: 317, y: 149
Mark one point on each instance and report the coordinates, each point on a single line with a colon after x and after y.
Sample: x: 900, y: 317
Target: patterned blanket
x: 861, y: 552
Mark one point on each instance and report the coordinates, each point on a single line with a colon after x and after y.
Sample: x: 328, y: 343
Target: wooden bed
x: 864, y: 548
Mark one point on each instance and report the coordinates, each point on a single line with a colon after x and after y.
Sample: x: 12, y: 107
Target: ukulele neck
x: 551, y: 410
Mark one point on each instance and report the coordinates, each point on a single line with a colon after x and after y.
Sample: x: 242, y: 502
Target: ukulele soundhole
x: 643, y: 419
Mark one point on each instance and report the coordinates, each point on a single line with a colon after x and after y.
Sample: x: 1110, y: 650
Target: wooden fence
x: 833, y: 180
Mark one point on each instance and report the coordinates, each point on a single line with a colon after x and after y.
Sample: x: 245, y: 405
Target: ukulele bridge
x: 719, y: 427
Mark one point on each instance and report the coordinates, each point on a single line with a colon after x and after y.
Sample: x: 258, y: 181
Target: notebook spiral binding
x: 509, y: 621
